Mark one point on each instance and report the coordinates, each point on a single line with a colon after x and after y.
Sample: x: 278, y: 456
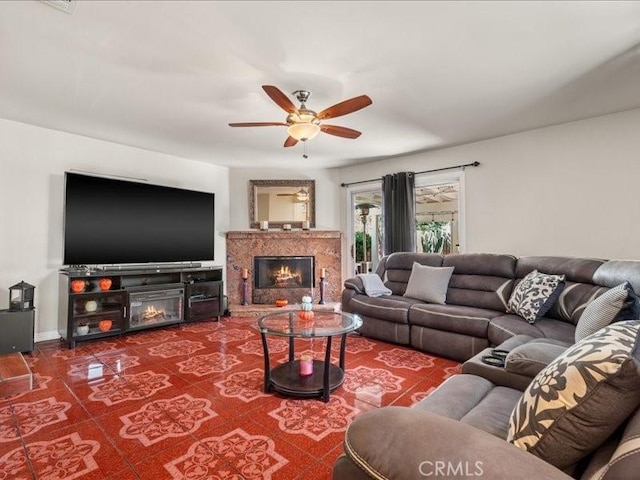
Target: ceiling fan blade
x: 343, y: 108
x: 258, y: 124
x: 280, y: 98
x: 290, y: 142
x: 340, y: 131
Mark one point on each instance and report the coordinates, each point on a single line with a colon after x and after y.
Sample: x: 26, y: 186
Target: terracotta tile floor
x: 188, y: 402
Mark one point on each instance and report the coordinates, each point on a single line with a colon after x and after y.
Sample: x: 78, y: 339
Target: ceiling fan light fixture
x: 303, y: 131
x: 302, y: 196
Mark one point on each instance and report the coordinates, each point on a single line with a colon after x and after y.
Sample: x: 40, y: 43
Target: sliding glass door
x: 439, y: 219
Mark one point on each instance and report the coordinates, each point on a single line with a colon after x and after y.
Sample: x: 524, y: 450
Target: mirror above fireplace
x: 282, y: 202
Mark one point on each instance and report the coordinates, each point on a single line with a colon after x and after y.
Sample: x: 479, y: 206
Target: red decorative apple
x: 105, y: 325
x: 78, y: 286
x: 104, y: 284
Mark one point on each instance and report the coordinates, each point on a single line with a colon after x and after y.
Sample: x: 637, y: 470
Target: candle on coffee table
x: 306, y: 365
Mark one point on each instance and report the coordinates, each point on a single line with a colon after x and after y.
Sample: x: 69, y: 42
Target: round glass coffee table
x: 300, y: 377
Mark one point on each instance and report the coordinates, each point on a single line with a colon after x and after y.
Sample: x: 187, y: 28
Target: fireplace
x: 282, y: 277
x: 324, y: 246
x: 156, y: 306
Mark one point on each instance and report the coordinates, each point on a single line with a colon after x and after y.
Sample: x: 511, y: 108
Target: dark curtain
x: 398, y: 211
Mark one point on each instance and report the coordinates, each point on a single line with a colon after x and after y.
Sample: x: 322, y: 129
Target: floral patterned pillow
x: 535, y: 294
x: 574, y: 404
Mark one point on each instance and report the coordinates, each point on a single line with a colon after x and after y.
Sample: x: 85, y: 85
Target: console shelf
x: 98, y: 303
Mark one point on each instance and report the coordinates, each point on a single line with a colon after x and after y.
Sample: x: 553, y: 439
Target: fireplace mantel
x: 324, y: 245
x: 293, y: 234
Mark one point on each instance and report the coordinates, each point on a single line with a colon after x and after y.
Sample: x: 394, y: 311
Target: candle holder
x: 323, y: 290
x: 245, y: 292
x: 306, y: 365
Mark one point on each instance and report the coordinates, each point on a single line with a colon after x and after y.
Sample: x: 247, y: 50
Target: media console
x: 102, y: 302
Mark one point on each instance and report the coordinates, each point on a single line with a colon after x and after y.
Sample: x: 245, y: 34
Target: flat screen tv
x: 112, y: 221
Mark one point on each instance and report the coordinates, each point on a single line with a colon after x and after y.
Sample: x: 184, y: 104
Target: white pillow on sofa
x: 428, y: 284
x: 602, y: 311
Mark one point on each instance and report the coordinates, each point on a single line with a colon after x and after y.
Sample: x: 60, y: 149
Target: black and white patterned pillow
x: 535, y: 294
x: 574, y: 404
x: 603, y: 310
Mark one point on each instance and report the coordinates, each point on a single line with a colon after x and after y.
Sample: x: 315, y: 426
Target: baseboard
x: 44, y: 336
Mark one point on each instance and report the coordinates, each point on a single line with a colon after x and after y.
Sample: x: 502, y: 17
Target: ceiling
x: 169, y: 76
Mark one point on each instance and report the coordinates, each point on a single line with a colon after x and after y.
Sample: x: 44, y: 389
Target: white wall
x: 32, y: 165
x: 570, y: 189
x: 328, y: 193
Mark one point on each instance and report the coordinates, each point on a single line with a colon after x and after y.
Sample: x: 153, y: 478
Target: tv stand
x: 97, y: 303
x: 147, y: 266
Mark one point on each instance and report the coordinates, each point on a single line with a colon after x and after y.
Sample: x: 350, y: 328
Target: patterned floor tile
x: 14, y: 463
x: 78, y: 451
x: 317, y: 471
x: 141, y: 432
x: 48, y: 415
x: 188, y: 401
x: 203, y: 464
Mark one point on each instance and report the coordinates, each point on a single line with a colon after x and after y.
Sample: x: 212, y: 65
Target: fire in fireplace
x: 154, y: 307
x: 283, y: 272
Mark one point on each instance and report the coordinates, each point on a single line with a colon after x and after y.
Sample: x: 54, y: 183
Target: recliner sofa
x: 460, y: 429
x: 475, y: 314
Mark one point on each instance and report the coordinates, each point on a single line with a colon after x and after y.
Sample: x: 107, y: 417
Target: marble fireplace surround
x: 324, y: 245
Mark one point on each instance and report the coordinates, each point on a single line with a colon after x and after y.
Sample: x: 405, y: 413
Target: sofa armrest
x: 354, y: 283
x: 403, y: 443
x: 532, y: 357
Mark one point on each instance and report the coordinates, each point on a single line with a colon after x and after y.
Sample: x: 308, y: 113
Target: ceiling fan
x: 304, y: 124
x: 301, y: 195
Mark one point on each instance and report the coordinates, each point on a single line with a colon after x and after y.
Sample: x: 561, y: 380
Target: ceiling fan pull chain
x: 304, y: 154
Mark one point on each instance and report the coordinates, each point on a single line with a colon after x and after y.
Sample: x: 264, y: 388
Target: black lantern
x: 21, y: 296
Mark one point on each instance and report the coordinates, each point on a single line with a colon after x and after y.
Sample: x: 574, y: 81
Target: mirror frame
x: 253, y: 192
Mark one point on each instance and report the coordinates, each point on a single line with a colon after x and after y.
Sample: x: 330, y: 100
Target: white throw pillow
x: 600, y: 312
x: 429, y: 284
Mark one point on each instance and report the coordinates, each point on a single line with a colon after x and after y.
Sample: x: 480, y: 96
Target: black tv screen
x: 111, y: 221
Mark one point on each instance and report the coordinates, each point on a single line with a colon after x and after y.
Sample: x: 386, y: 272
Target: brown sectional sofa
x: 459, y: 430
x: 475, y: 314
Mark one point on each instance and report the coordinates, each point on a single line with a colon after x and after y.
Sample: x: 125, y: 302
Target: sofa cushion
x: 390, y: 308
x: 579, y: 287
x: 480, y: 280
x: 399, y: 443
x: 581, y: 398
x: 452, y: 318
x: 619, y: 457
x: 603, y: 310
x: 428, y: 284
x: 473, y: 400
x: 506, y: 326
x: 534, y: 295
x: 529, y: 359
x: 398, y: 266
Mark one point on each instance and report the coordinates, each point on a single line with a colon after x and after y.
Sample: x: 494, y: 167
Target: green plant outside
x: 359, y: 252
x: 435, y: 237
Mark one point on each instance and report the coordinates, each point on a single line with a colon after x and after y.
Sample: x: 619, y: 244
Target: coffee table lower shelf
x: 286, y: 379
